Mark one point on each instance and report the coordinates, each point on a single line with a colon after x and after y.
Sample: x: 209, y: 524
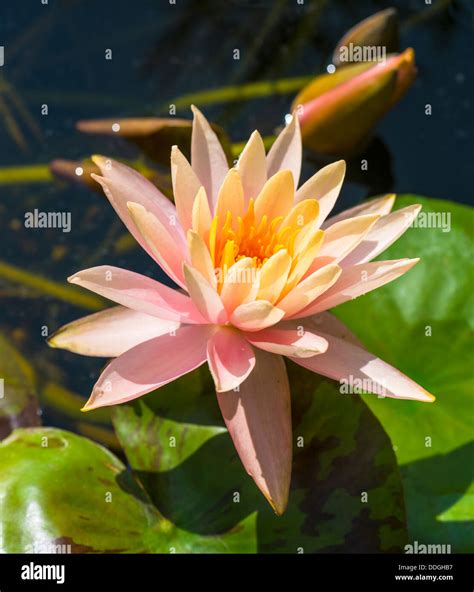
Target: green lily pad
x: 64, y: 493
x: 422, y: 324
x: 346, y: 492
x: 18, y: 402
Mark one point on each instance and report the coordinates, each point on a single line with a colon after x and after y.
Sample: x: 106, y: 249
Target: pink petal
x: 185, y: 187
x: 329, y: 323
x: 201, y: 214
x: 230, y: 358
x: 357, y: 280
x: 208, y: 159
x: 309, y: 289
x: 324, y: 186
x: 258, y: 418
x: 110, y: 332
x: 159, y: 241
x: 138, y: 292
x: 200, y: 257
x: 240, y: 284
x: 150, y: 365
x: 289, y: 338
x: 276, y: 197
x: 122, y: 184
x: 274, y: 275
x: 380, y: 205
x: 305, y: 249
x: 286, y: 152
x: 204, y: 296
x: 341, y: 238
x: 383, y: 233
x: 257, y: 315
x: 252, y: 167
x: 230, y: 197
x: 347, y: 362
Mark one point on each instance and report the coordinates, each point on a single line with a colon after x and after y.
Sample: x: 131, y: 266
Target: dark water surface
x: 55, y: 55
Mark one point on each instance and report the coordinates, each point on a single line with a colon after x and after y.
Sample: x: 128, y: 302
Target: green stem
x: 38, y: 173
x: 68, y: 403
x: 50, y: 288
x: 241, y: 92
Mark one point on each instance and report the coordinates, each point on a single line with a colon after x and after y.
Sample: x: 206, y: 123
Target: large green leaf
x: 346, y: 491
x: 422, y: 324
x: 18, y: 402
x: 63, y: 493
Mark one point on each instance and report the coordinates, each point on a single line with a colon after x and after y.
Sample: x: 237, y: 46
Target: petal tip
x: 98, y: 178
x: 286, y: 176
x: 196, y: 112
x: 409, y: 55
x: 52, y: 341
x: 89, y: 405
x: 98, y: 159
x: 428, y: 397
x: 278, y: 506
x: 391, y: 197
x: 133, y: 207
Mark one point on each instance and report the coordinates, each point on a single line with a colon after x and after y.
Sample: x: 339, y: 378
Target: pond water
x: 55, y: 55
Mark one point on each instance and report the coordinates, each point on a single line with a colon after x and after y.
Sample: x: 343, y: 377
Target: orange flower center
x: 242, y: 236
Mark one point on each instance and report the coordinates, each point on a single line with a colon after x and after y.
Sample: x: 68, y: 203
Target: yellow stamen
x: 240, y: 237
x: 213, y: 238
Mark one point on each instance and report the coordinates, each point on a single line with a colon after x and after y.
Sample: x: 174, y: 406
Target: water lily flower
x: 338, y: 111
x: 258, y: 264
